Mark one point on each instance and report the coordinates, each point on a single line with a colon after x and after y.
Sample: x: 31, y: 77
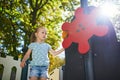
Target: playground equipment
x: 90, y: 53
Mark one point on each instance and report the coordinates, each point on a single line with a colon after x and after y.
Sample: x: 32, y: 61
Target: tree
x: 18, y: 18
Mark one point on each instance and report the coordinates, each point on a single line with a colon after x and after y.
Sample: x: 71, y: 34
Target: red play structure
x: 92, y: 51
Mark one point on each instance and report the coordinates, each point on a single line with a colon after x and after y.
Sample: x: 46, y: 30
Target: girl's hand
x: 22, y: 64
x: 53, y: 52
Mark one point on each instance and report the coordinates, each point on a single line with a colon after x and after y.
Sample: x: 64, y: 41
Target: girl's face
x: 41, y: 34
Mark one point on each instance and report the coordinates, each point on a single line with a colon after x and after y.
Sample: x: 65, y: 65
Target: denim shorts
x: 39, y: 71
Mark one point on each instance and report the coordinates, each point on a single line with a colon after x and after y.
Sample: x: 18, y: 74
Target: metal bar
x: 88, y: 58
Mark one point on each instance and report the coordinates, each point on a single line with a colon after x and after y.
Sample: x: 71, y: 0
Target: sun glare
x: 109, y: 9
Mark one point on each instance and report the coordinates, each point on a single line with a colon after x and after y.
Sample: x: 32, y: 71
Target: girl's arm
x: 53, y: 52
x: 27, y: 55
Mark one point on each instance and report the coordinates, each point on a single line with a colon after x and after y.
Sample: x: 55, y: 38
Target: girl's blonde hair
x: 33, y: 37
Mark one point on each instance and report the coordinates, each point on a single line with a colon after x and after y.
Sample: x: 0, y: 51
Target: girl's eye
x: 44, y: 33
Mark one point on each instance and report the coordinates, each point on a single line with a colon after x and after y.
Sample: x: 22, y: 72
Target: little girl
x: 39, y: 49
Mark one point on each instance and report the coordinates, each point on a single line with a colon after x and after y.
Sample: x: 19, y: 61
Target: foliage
x: 55, y: 62
x: 18, y: 19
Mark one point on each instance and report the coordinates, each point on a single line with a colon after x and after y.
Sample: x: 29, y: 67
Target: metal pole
x: 88, y: 57
x: 84, y: 4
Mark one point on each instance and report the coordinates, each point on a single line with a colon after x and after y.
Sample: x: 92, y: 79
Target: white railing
x: 8, y: 63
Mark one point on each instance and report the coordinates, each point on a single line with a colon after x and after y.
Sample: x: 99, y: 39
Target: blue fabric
x: 39, y: 53
x: 39, y: 71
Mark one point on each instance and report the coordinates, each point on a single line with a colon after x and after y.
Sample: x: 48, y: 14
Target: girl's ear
x: 35, y: 34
